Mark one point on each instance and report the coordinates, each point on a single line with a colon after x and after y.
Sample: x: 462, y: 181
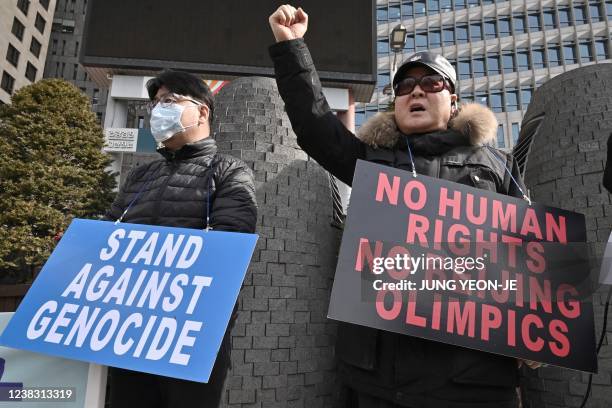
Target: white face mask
x: 166, y: 121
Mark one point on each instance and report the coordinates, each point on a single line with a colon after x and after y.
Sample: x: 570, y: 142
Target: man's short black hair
x: 182, y: 83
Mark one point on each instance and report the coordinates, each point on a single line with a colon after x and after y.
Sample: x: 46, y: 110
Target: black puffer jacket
x: 405, y: 370
x: 175, y: 191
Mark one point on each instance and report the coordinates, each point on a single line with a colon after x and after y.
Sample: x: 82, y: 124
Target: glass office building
x: 502, y: 51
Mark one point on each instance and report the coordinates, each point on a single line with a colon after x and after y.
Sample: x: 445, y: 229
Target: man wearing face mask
x: 426, y: 134
x: 191, y: 186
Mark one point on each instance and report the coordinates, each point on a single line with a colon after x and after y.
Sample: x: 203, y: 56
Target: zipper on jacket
x: 162, y: 190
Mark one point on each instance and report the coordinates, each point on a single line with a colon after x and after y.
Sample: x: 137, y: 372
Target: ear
x: 453, y: 104
x: 204, y: 115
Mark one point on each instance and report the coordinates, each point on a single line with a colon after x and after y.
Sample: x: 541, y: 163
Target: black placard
x: 546, y: 315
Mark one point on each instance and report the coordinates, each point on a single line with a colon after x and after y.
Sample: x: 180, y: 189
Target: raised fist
x: 288, y: 23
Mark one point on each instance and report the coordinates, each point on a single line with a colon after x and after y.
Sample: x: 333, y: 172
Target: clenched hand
x: 288, y: 23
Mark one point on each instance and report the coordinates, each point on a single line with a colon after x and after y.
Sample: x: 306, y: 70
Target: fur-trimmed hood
x: 475, y: 121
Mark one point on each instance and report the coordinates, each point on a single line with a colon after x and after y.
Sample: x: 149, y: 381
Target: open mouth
x: 417, y: 108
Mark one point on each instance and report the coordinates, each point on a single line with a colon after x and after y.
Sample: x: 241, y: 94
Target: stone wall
x: 564, y: 169
x: 282, y: 343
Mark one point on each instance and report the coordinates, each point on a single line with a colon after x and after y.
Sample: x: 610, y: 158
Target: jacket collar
x: 474, y: 125
x: 201, y: 148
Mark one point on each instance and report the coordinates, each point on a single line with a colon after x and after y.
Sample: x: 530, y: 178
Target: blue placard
x: 141, y: 297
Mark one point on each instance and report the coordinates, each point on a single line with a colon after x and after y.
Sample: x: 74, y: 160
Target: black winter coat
x: 404, y: 370
x: 175, y: 191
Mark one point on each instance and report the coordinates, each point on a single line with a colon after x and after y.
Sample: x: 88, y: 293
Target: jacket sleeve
x: 607, y: 175
x: 319, y: 132
x: 118, y: 205
x: 234, y: 207
x: 121, y: 202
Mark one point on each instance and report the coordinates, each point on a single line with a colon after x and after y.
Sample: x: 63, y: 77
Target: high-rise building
x: 25, y: 26
x: 502, y: 50
x: 63, y: 56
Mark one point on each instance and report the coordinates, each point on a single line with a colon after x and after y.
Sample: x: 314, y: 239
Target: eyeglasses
x: 168, y: 99
x: 428, y: 83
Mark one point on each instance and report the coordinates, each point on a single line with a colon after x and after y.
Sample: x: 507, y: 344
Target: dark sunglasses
x: 428, y: 83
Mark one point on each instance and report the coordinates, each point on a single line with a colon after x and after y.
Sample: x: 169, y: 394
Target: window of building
x: 75, y: 70
x: 569, y: 53
x: 580, y: 14
x: 564, y: 17
x: 141, y: 122
x: 519, y: 24
x: 394, y: 12
x: 8, y: 83
x: 478, y: 64
x: 522, y: 59
x: 485, y: 2
x: 497, y: 101
x: 35, y: 47
x: 493, y: 67
x: 359, y: 118
x: 481, y: 98
x: 554, y: 55
x: 460, y: 4
x: 490, y: 29
x: 99, y: 117
x: 95, y: 97
x: 534, y: 21
x: 549, y: 18
x: 466, y: 98
x: 501, y: 140
x: 381, y: 13
x: 508, y: 61
x: 30, y: 72
x: 382, y: 45
x: 76, y: 49
x: 433, y: 6
x: 45, y: 4
x: 63, y: 51
x: 526, y: 93
x: 504, y: 26
x: 609, y: 9
x: 68, y: 27
x: 421, y: 40
x: 62, y: 69
x: 537, y: 57
x: 407, y: 9
x: 473, y: 3
x: 419, y: 8
x: 601, y: 49
x: 586, y: 55
x: 409, y: 46
x: 449, y: 35
x: 595, y: 11
x: 54, y: 47
x: 12, y: 55
x: 435, y: 39
x: 40, y: 23
x: 476, y: 31
x: 515, y: 132
x: 24, y: 6
x: 446, y: 5
x: 464, y: 69
x: 462, y: 34
x: 383, y: 79
x: 18, y: 29
x: 512, y: 100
